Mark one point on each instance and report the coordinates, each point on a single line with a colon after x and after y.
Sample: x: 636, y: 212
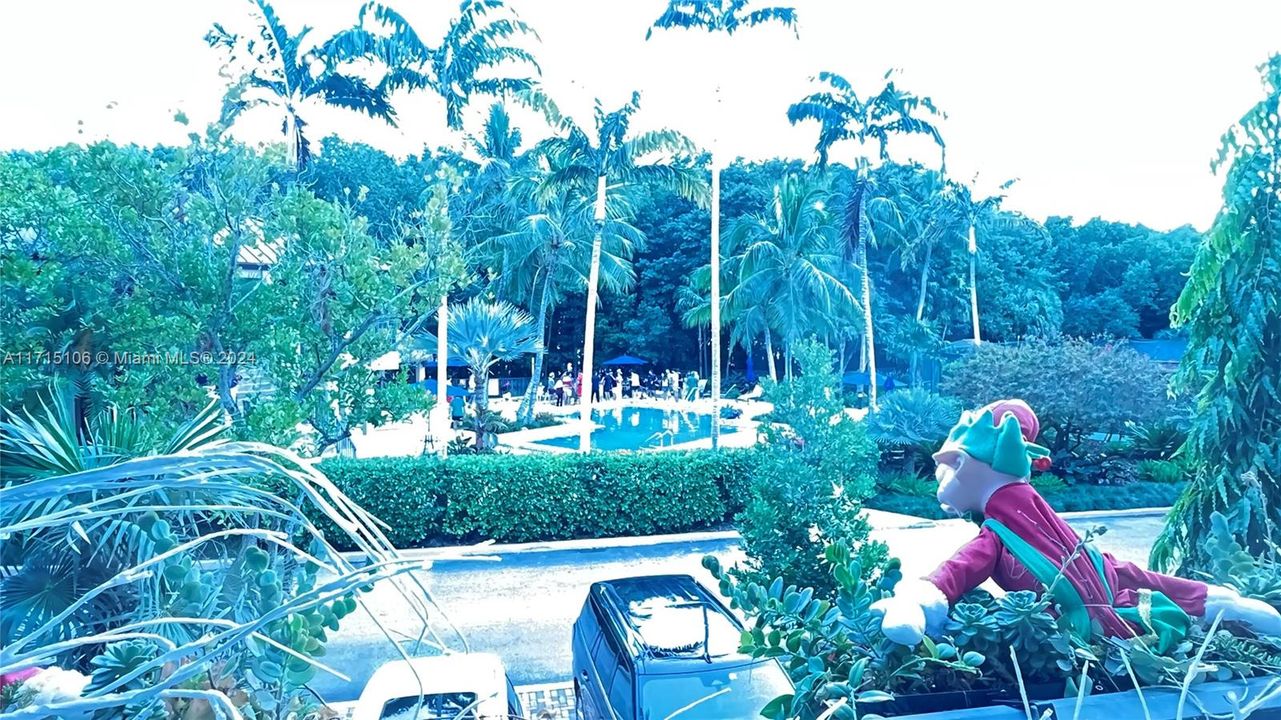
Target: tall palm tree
x: 549, y: 253
x: 286, y: 72
x: 956, y: 214
x: 843, y: 115
x: 586, y: 160
x: 791, y: 256
x: 466, y: 62
x: 727, y: 17
x: 483, y: 334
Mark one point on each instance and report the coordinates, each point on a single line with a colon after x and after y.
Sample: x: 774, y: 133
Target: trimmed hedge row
x: 522, y: 498
x: 1074, y: 498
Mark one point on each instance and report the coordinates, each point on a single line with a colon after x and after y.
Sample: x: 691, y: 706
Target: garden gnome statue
x: 983, y: 469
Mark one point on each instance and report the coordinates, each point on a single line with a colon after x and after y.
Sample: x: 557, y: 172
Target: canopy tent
x: 625, y: 360
x: 452, y: 390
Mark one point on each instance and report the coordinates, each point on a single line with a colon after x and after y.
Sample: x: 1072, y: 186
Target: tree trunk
x: 974, y: 290
x: 589, y: 332
x: 716, y: 304
x: 787, y: 360
x: 865, y: 229
x: 440, y: 412
x: 769, y: 355
x: 525, y: 412
x: 481, y: 399
x: 925, y: 270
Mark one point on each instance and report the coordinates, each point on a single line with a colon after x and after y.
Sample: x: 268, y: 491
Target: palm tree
x: 792, y: 257
x: 468, y: 60
x: 285, y: 72
x: 484, y: 334
x: 843, y: 115
x: 550, y: 252
x: 718, y: 16
x: 584, y: 161
x: 465, y: 63
x: 955, y: 214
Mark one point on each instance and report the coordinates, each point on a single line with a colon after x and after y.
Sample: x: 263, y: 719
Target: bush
x: 1096, y: 464
x: 1162, y: 471
x: 814, y: 471
x: 1076, y: 498
x: 1077, y: 388
x: 522, y: 498
x: 541, y: 420
x: 910, y: 425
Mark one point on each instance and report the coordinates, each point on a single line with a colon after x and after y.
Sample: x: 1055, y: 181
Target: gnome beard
x: 983, y: 469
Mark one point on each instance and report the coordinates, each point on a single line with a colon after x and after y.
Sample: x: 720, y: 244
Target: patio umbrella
x: 625, y: 360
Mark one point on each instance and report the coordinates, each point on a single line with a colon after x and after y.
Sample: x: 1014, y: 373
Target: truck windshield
x: 432, y: 707
x: 728, y: 694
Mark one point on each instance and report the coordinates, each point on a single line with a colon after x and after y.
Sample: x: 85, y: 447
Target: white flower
x: 54, y: 685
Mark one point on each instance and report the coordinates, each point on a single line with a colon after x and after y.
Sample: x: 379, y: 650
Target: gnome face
x: 984, y: 452
x: 965, y: 484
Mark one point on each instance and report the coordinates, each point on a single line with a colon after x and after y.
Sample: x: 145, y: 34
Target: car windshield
x: 714, y: 695
x: 432, y: 707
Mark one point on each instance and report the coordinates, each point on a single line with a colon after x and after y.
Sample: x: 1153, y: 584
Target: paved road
x: 522, y: 605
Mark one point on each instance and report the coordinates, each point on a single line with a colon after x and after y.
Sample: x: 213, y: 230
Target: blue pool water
x: 635, y: 428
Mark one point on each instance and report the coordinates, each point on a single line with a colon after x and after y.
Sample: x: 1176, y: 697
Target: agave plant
x: 187, y: 576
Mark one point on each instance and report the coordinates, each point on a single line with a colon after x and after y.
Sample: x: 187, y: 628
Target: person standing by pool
x: 607, y: 384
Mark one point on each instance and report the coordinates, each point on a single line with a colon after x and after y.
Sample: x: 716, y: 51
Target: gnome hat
x: 998, y: 435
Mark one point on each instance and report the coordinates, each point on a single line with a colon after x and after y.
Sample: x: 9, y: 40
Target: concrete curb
x: 464, y: 552
x: 895, y: 521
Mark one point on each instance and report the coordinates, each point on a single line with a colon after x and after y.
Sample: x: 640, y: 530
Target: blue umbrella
x: 452, y: 390
x: 625, y: 360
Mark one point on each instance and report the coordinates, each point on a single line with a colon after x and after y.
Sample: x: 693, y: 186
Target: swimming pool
x: 639, y: 428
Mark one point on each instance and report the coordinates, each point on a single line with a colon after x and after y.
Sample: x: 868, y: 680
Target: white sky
x: 1108, y: 109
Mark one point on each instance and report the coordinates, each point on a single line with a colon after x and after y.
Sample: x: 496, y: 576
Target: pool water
x: 636, y: 428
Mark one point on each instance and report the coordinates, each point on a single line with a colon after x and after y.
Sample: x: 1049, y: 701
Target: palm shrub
x: 913, y: 423
x: 808, y: 485
x: 182, y: 574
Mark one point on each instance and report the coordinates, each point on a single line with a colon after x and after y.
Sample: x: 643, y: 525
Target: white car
x: 467, y: 686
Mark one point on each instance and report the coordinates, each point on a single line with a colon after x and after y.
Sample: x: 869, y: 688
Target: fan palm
x: 842, y: 114
x: 549, y: 253
x: 286, y: 72
x: 728, y: 17
x: 584, y: 161
x: 483, y: 334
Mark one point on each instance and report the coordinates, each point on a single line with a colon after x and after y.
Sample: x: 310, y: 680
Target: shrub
x: 910, y: 425
x: 1162, y: 471
x: 805, y: 493
x: 1076, y: 498
x: 521, y: 498
x: 1076, y: 387
x: 1157, y: 441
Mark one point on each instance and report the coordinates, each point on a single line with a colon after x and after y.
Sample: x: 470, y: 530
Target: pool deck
x: 523, y: 441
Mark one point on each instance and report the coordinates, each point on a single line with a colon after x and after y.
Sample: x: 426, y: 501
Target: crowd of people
x: 566, y: 387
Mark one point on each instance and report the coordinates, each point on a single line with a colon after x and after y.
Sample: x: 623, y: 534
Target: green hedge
x: 521, y: 498
x: 1074, y: 498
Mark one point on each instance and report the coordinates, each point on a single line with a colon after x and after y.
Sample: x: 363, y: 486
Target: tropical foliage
x: 1232, y: 309
x: 181, y: 573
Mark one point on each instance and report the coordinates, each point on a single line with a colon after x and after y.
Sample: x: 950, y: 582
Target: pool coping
x: 532, y: 440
